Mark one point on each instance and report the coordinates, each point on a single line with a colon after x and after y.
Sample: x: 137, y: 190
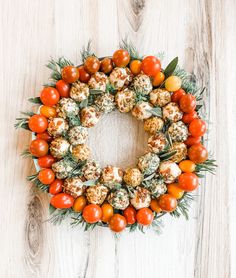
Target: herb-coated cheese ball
x: 91, y: 170
x: 111, y: 175
x: 98, y: 81
x: 142, y: 84
x: 96, y: 194
x: 148, y: 163
x: 172, y: 112
x: 80, y: 152
x: 125, y: 100
x: 89, y: 116
x: 133, y: 177
x: 57, y: 126
x: 120, y: 78
x: 157, y: 143
x: 59, y: 147
x: 153, y: 125
x: 141, y: 198
x: 119, y: 199
x: 79, y: 91
x: 169, y: 170
x: 105, y: 103
x: 74, y: 186
x: 78, y: 135
x: 141, y: 110
x: 66, y: 108
x: 160, y: 97
x: 178, y: 132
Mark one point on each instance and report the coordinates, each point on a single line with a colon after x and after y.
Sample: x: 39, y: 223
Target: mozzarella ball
x: 78, y: 135
x: 181, y: 152
x: 148, y: 163
x: 141, y: 110
x: 91, y: 170
x: 119, y: 199
x: 156, y: 187
x: 96, y: 194
x: 89, y: 116
x: 59, y: 147
x: 178, y: 132
x: 57, y: 126
x: 141, y: 198
x: 142, y: 84
x: 62, y: 168
x: 153, y: 125
x: 120, y: 78
x: 79, y: 91
x: 133, y: 177
x: 105, y: 103
x: 74, y: 187
x: 125, y: 100
x: 172, y: 112
x: 80, y: 152
x: 67, y: 107
x: 98, y: 81
x: 111, y: 175
x: 157, y: 143
x: 160, y: 97
x: 169, y: 171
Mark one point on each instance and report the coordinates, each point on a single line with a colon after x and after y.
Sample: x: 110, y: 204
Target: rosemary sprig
x: 87, y: 51
x: 157, y: 111
x: 133, y: 52
x: 188, y: 80
x: 35, y: 100
x: 139, y: 97
x: 157, y: 225
x: 26, y: 153
x: 34, y: 179
x: 23, y: 122
x: 208, y: 166
x: 166, y: 155
x: 59, y: 215
x: 183, y: 206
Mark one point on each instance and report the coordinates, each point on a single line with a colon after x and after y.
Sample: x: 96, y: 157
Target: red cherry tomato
x: 192, y: 140
x: 49, y: 96
x: 92, y: 213
x: 46, y: 176
x: 44, y: 136
x: 46, y: 161
x: 197, y: 128
x: 151, y: 66
x: 188, y: 181
x: 176, y: 96
x: 38, y: 123
x: 121, y: 58
x: 167, y: 202
x: 130, y: 215
x: 56, y: 187
x: 189, y: 117
x: 70, y: 74
x: 63, y: 88
x: 83, y: 75
x: 106, y: 65
x: 62, y: 201
x: 145, y: 216
x: 197, y: 153
x: 92, y: 64
x: 38, y: 147
x: 117, y: 223
x: 187, y: 103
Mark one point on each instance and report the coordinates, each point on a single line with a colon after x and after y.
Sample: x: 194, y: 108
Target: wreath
x: 168, y: 101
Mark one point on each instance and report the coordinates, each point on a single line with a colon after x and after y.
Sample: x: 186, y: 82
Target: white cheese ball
x: 111, y: 175
x: 120, y: 78
x: 156, y: 187
x: 59, y: 147
x: 74, y: 187
x: 96, y: 194
x: 169, y: 170
x: 67, y: 107
x: 171, y: 112
x: 153, y: 125
x: 181, y: 152
x: 119, y: 199
x: 160, y: 97
x: 141, y: 198
x: 125, y: 100
x: 142, y: 84
x: 91, y: 170
x: 141, y: 110
x: 62, y: 168
x: 148, y: 163
x: 105, y: 103
x: 78, y: 135
x: 80, y: 152
x: 89, y: 116
x: 98, y: 81
x: 133, y: 177
x: 79, y: 91
x: 57, y: 126
x: 178, y: 132
x: 157, y: 143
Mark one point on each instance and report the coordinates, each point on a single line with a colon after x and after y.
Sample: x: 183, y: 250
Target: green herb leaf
x: 171, y: 67
x: 157, y: 111
x: 35, y: 100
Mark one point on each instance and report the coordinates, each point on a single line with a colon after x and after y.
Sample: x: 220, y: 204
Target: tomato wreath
x: 166, y: 100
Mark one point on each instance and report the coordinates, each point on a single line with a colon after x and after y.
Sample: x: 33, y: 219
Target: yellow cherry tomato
x: 175, y: 191
x: 48, y: 111
x: 158, y: 79
x: 107, y: 212
x: 135, y: 67
x: 173, y: 83
x: 154, y: 206
x: 79, y: 203
x: 187, y: 166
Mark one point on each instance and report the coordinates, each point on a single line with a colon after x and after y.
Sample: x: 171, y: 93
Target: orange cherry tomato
x: 92, y: 213
x: 106, y: 65
x: 62, y: 201
x: 158, y: 79
x: 79, y: 203
x: 188, y: 181
x: 92, y: 64
x: 70, y: 74
x: 117, y: 223
x: 167, y: 202
x: 49, y: 96
x: 187, y: 103
x: 189, y: 117
x: 107, y: 212
x: 46, y: 161
x: 192, y: 140
x: 197, y: 153
x: 46, y: 176
x: 38, y: 123
x: 56, y: 187
x: 197, y: 128
x: 154, y: 206
x: 44, y: 136
x: 130, y: 215
x: 187, y: 166
x: 145, y: 216
x: 175, y: 191
x: 63, y: 88
x: 48, y: 111
x: 121, y: 58
x: 151, y: 66
x: 38, y: 147
x: 84, y: 76
x: 176, y: 96
x: 135, y: 67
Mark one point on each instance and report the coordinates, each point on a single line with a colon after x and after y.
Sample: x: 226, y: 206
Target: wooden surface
x: 203, y: 35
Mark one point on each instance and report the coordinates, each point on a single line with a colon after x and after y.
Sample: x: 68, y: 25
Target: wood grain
x: 202, y: 33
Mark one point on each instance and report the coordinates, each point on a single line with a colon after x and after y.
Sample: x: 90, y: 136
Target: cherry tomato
x: 189, y: 117
x: 188, y: 103
x: 44, y: 136
x: 49, y: 96
x: 154, y: 206
x: 151, y: 66
x: 135, y: 67
x: 83, y: 75
x: 46, y: 161
x: 173, y: 83
x: 106, y: 65
x: 38, y: 147
x: 192, y: 140
x: 56, y: 187
x: 197, y: 153
x: 197, y: 128
x: 48, y: 111
x: 92, y: 64
x: 46, y: 176
x: 107, y: 212
x: 167, y: 202
x: 130, y: 215
x: 38, y: 123
x: 175, y: 191
x: 79, y: 203
x: 63, y: 88
x: 188, y: 181
x: 70, y: 74
x: 176, y: 96
x: 144, y: 216
x: 92, y: 213
x: 121, y: 58
x: 187, y: 166
x: 117, y: 223
x: 62, y: 201
x: 158, y: 79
